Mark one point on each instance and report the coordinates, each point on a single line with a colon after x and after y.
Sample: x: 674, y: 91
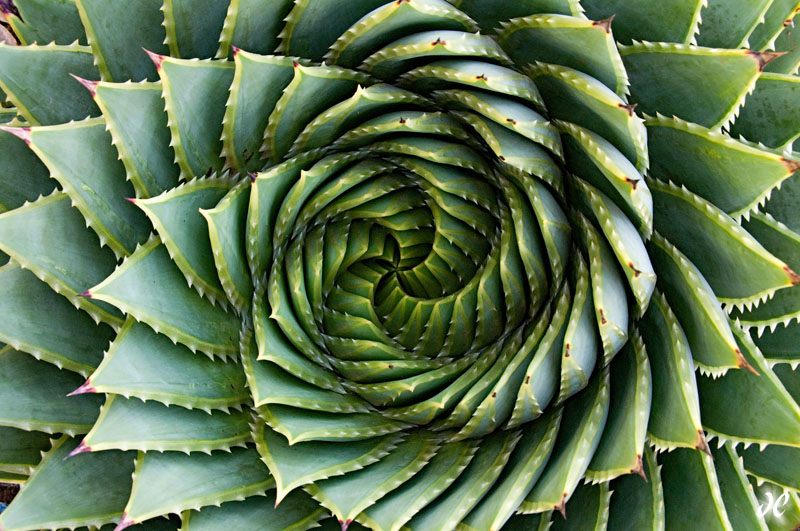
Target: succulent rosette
x: 416, y: 264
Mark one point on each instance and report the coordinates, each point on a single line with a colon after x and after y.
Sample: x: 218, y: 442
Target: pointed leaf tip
x: 629, y: 108
x: 156, y: 58
x: 235, y: 50
x: 701, y: 443
x: 792, y: 165
x: 793, y: 277
x: 83, y: 389
x: 639, y: 468
x: 86, y: 294
x: 562, y: 506
x: 23, y: 133
x: 345, y: 524
x: 131, y: 199
x: 90, y: 85
x: 764, y: 58
x: 82, y: 448
x: 253, y: 177
x: 605, y: 23
x: 744, y: 364
x: 124, y: 523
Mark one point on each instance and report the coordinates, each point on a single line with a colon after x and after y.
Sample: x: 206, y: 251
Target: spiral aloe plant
x: 415, y: 264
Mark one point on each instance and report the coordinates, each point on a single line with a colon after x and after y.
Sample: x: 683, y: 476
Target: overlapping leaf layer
x: 414, y: 264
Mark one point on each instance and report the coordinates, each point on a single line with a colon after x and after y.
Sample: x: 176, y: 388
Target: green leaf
x: 227, y: 223
x: 787, y: 42
x: 348, y: 495
x: 587, y: 508
x: 252, y: 25
x: 701, y: 85
x: 489, y: 13
x: 312, y: 26
x: 118, y: 48
x: 44, y: 21
x: 667, y: 21
x: 775, y: 19
x: 581, y: 428
x: 193, y: 27
x: 675, y: 414
x: 22, y: 450
x: 34, y: 395
x: 471, y: 486
x: 730, y: 25
x: 392, y: 21
x: 149, y: 287
x: 776, y: 464
x: 83, y: 160
x: 636, y: 504
x: 33, y: 77
x: 421, y: 490
x: 195, y: 93
x: 740, y: 501
x: 779, y: 344
x: 137, y: 121
x: 269, y: 384
x: 28, y: 306
x: 258, y: 82
x: 574, y: 97
x: 312, y: 90
x: 526, y: 464
x: 689, y: 480
x: 149, y: 366
x: 770, y: 114
x: 573, y: 42
x: 291, y: 467
x: 299, y: 425
x: 296, y: 512
x: 736, y: 265
x: 131, y: 424
x: 733, y: 405
x: 734, y: 176
x: 176, y: 216
x: 786, y: 516
x: 622, y: 444
x: 50, y: 238
x: 99, y: 484
x: 23, y: 177
x: 706, y: 326
x: 172, y: 482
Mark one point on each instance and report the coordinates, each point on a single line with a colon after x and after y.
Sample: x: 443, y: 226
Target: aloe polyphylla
x: 416, y: 264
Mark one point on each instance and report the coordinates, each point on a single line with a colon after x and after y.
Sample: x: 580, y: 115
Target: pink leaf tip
x: 124, y: 523
x: 82, y: 448
x: 345, y: 524
x: 235, y: 50
x: 131, y: 199
x: 90, y: 85
x: 253, y: 177
x: 83, y: 389
x: 86, y: 294
x: 156, y: 58
x: 23, y: 133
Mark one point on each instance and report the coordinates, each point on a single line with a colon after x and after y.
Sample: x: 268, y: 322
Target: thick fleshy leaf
x: 172, y: 482
x: 770, y: 114
x: 736, y: 265
x: 587, y: 509
x: 690, y: 480
x: 636, y: 504
x: 50, y: 238
x: 787, y: 42
x: 33, y: 77
x: 195, y: 93
x: 573, y: 42
x: 740, y: 501
x: 149, y: 366
x: 667, y: 21
x: 136, y: 119
x: 28, y: 306
x: 253, y: 26
x: 778, y: 16
x: 193, y: 26
x: 291, y: 469
x: 23, y: 177
x: 581, y: 428
x: 118, y: 49
x: 45, y: 21
x: 728, y: 25
x: 776, y: 464
x: 701, y: 85
x: 35, y: 396
x: 22, y: 449
x: 734, y: 176
x: 347, y: 496
x: 296, y: 512
x: 675, y: 415
x: 622, y: 444
x: 733, y: 405
x: 131, y: 424
x: 149, y: 287
x: 99, y: 486
x: 83, y: 160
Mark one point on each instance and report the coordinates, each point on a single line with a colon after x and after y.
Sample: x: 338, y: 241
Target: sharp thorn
x: 124, y: 523
x: 764, y: 58
x: 90, y: 85
x: 23, y: 133
x: 157, y: 60
x: 605, y: 23
x: 83, y: 389
x: 86, y: 294
x: 82, y: 448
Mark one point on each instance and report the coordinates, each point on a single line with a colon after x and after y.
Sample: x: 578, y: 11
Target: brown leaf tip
x: 764, y: 58
x: 629, y: 107
x: 90, y: 85
x: 793, y: 277
x: 743, y: 364
x: 605, y: 23
x: 792, y: 165
x: 562, y: 506
x: 23, y: 133
x: 701, y: 444
x: 157, y: 60
x: 639, y: 467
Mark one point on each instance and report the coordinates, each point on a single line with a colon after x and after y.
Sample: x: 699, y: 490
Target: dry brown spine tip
x: 743, y: 364
x: 633, y: 182
x: 562, y: 506
x: 792, y: 165
x: 764, y: 58
x: 511, y: 121
x: 794, y: 278
x: 701, y: 443
x: 605, y: 23
x: 629, y: 108
x: 639, y: 468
